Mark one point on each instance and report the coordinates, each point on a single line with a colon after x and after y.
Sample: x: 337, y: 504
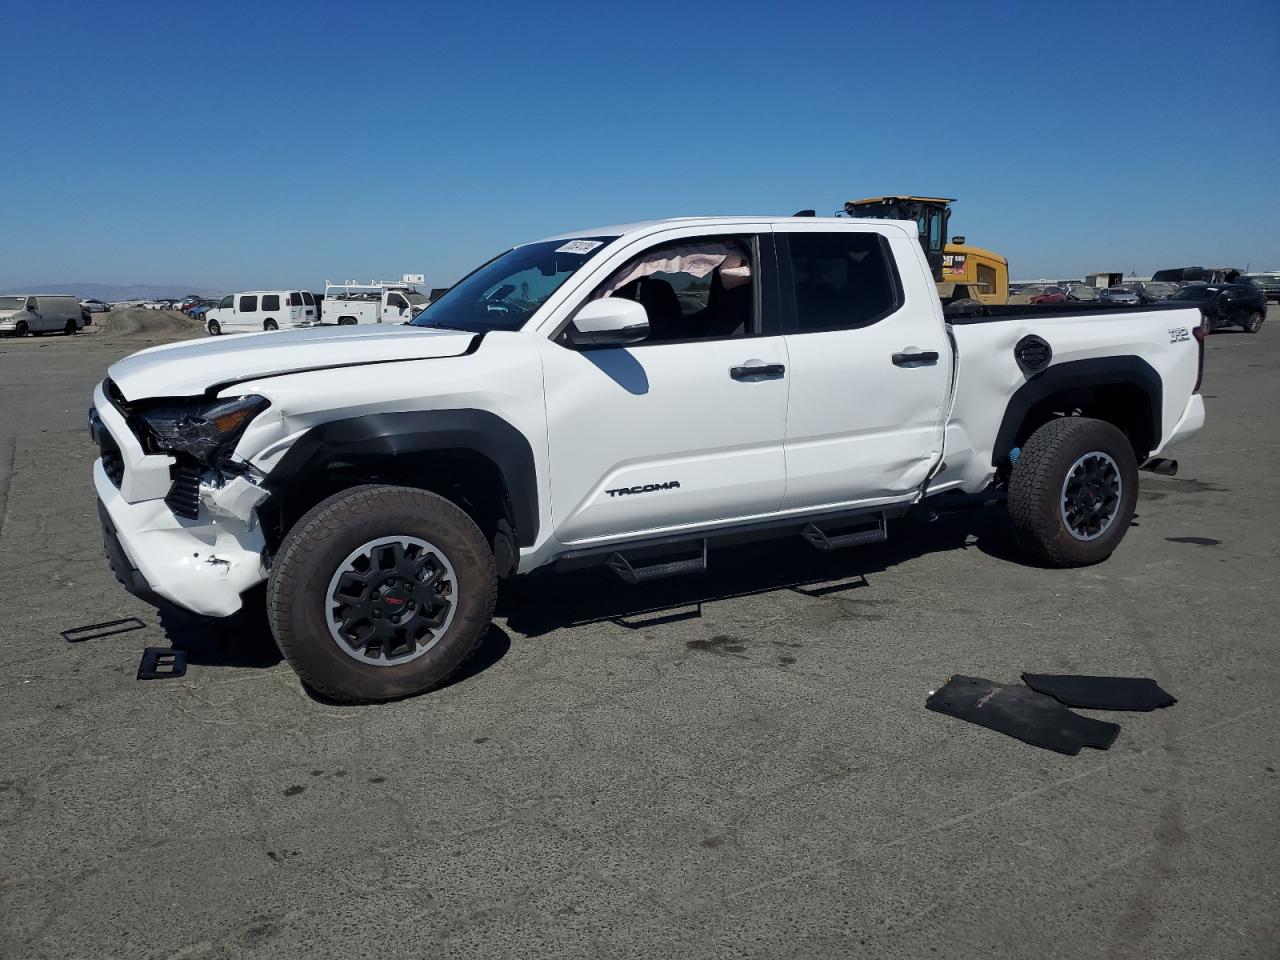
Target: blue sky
x: 239, y: 145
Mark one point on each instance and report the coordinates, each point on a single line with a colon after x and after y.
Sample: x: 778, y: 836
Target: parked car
x: 1153, y: 291
x: 1119, y: 295
x: 41, y: 313
x: 1226, y: 304
x: 1050, y: 295
x: 95, y: 306
x: 1082, y: 292
x: 261, y: 310
x: 198, y: 311
x: 1269, y: 282
x: 564, y: 406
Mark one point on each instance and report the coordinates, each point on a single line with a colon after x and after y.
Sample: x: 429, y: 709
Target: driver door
x: 686, y: 428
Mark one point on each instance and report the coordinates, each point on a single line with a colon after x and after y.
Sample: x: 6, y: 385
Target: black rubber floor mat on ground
x: 1101, y: 693
x: 1021, y: 713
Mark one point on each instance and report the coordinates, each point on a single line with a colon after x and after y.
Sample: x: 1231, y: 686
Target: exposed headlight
x: 202, y: 430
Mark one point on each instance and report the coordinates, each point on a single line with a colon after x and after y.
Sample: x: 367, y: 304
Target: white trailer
x: 378, y: 301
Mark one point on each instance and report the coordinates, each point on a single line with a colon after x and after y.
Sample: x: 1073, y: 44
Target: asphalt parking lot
x: 737, y: 765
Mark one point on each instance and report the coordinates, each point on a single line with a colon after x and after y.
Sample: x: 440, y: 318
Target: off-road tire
x: 214, y: 328
x: 1253, y: 322
x: 1036, y: 484
x: 313, y: 550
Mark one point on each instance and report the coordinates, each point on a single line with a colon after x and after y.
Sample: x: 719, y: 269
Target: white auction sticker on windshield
x: 580, y: 246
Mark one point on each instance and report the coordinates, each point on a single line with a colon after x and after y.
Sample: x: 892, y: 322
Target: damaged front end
x: 189, y: 535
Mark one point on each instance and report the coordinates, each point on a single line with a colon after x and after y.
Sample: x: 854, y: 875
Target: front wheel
x: 21, y: 330
x: 1072, y: 491
x: 381, y: 592
x: 1253, y: 322
x: 215, y: 328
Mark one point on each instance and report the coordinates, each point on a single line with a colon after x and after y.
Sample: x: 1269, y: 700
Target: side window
x: 395, y: 301
x: 295, y: 299
x: 33, y: 304
x: 308, y: 299
x: 986, y: 278
x: 696, y: 289
x: 248, y: 304
x: 227, y: 302
x: 841, y: 280
x: 270, y: 302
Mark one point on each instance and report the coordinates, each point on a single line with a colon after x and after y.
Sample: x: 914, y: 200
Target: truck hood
x: 189, y: 369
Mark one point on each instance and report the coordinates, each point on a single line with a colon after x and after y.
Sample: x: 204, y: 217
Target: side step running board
x: 634, y: 573
x: 872, y: 532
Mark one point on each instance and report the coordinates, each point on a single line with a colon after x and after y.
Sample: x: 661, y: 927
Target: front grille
x: 184, y: 495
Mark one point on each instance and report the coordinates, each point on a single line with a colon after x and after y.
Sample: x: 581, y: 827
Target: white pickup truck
x: 630, y: 396
x: 350, y: 303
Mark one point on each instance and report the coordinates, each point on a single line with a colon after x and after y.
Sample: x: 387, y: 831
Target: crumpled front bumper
x: 201, y: 565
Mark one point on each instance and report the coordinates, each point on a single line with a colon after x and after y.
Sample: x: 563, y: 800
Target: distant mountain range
x: 112, y: 293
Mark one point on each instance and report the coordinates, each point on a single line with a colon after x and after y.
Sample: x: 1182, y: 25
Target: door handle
x: 752, y: 369
x: 924, y: 358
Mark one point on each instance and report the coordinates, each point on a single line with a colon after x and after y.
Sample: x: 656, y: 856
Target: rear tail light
x: 1198, y: 331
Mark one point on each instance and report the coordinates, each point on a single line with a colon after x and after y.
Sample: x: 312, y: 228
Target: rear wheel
x: 70, y: 328
x: 346, y: 321
x: 380, y: 592
x: 1072, y: 491
x: 215, y: 328
x: 1253, y: 322
x: 270, y: 325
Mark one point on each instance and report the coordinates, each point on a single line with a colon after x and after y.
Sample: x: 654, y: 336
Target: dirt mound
x: 148, y: 326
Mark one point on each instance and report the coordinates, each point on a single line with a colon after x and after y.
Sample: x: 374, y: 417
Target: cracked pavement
x: 733, y: 765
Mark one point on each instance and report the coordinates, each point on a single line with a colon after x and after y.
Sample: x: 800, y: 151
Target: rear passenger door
x: 870, y: 366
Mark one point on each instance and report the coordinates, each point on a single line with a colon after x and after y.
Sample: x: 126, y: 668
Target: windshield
x: 1160, y: 290
x: 416, y: 299
x: 1115, y: 290
x: 504, y: 293
x: 1084, y: 293
x: 1193, y: 293
x: 13, y: 303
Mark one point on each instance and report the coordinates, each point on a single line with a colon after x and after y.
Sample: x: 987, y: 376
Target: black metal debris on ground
x: 96, y: 631
x: 159, y: 663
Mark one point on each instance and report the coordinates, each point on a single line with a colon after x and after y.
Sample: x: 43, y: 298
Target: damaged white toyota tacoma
x: 629, y: 396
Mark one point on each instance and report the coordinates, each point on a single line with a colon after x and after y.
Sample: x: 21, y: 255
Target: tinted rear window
x: 295, y: 299
x: 841, y: 280
x: 271, y: 301
x: 308, y: 299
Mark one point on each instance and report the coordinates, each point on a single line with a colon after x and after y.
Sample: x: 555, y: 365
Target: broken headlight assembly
x: 202, y: 431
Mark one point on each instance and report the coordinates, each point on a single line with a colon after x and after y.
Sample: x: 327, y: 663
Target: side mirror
x: 609, y: 322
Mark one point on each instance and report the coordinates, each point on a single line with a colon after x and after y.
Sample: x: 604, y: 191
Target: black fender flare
x: 1077, y: 375
x: 377, y: 437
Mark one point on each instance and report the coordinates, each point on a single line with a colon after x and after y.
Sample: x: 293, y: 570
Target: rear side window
x: 308, y: 299
x: 271, y: 301
x: 295, y: 299
x: 841, y: 280
x: 248, y: 304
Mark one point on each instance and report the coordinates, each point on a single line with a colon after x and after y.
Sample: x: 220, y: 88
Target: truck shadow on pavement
x: 244, y: 640
x: 539, y: 604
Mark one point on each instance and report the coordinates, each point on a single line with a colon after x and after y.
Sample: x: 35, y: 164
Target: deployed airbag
x: 1101, y: 693
x: 1022, y: 713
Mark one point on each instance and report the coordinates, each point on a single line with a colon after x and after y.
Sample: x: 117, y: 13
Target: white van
x: 40, y: 313
x: 262, y: 310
